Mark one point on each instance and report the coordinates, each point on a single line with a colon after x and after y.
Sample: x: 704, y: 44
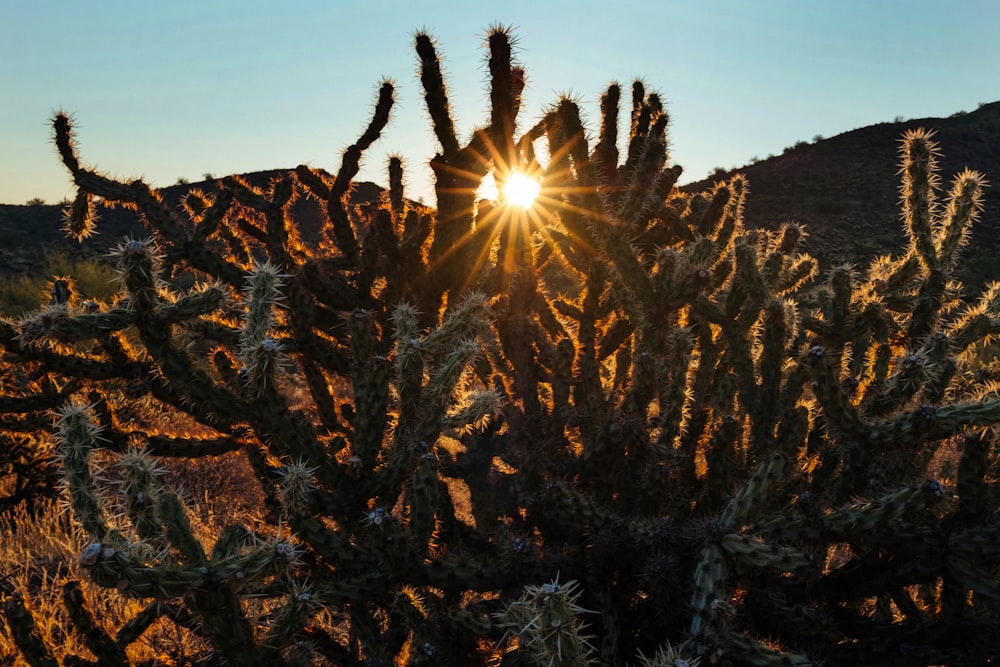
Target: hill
x: 28, y: 231
x: 845, y: 189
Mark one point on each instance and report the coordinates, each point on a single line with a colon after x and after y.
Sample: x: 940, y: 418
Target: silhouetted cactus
x: 724, y: 461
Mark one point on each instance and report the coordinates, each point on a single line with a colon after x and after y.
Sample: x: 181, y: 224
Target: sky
x: 182, y: 88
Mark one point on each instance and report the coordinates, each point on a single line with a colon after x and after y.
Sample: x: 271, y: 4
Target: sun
x: 521, y: 190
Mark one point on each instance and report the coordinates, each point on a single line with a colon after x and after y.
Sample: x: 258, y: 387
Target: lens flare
x: 521, y: 190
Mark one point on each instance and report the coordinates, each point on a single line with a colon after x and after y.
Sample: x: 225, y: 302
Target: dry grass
x: 38, y: 555
x: 219, y: 490
x: 38, y: 551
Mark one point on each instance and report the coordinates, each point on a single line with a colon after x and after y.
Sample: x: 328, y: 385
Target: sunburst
x: 521, y: 190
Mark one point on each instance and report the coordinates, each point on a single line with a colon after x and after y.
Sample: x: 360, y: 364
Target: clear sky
x: 176, y: 89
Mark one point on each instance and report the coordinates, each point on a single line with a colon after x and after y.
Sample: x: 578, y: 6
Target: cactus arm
x: 343, y: 234
x: 63, y: 327
x: 78, y: 366
x: 856, y: 522
x: 605, y: 156
x: 370, y: 379
x: 770, y: 370
x: 932, y: 423
x: 929, y: 302
x: 981, y: 583
x: 716, y: 213
x: 760, y: 655
x: 708, y: 626
x: 611, y: 232
x: 638, y: 126
x: 77, y: 437
x: 212, y: 218
x: 972, y: 471
x: 52, y: 397
x: 643, y: 180
x: 290, y: 618
x: 140, y: 494
x: 425, y: 495
x: 757, y: 553
x: 435, y: 94
x: 138, y: 194
x: 548, y: 619
x: 26, y: 634
x: 107, y: 650
x: 920, y: 181
x: 965, y: 203
x: 506, y: 84
x: 768, y: 474
x: 134, y: 627
x: 178, y: 529
x: 81, y: 216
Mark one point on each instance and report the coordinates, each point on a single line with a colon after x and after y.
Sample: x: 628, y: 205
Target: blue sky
x: 181, y: 88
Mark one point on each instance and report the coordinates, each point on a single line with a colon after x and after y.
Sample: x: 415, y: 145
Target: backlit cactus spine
x: 548, y: 622
x: 167, y: 562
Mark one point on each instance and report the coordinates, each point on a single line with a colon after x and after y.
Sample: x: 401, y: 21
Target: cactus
x: 728, y: 456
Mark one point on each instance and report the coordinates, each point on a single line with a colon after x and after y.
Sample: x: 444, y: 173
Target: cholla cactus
x: 728, y: 452
x: 547, y: 621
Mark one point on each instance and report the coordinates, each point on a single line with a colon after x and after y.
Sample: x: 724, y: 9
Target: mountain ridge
x: 843, y: 189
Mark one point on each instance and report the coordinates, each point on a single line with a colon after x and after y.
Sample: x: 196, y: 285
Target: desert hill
x: 845, y: 189
x: 27, y: 231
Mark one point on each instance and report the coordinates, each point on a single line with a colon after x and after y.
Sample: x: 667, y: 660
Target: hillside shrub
x: 87, y: 278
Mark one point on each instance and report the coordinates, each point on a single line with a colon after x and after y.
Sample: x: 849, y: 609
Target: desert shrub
x: 90, y: 279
